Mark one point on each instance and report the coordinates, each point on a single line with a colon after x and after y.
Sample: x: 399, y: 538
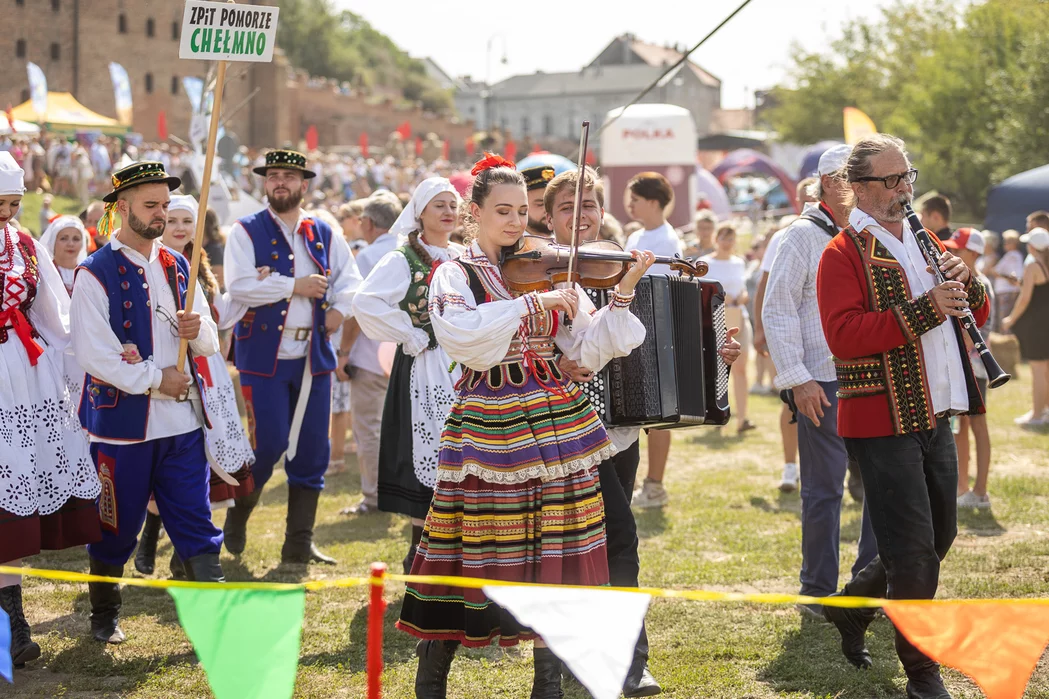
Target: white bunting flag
x: 592, y: 631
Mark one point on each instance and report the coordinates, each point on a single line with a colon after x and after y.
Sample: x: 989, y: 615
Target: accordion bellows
x: 676, y: 377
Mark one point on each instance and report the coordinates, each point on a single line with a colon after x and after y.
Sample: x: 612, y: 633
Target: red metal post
x: 376, y: 612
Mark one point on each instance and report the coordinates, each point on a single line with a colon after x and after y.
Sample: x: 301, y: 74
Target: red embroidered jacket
x: 874, y: 330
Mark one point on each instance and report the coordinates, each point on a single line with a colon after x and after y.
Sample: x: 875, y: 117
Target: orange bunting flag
x: 996, y: 643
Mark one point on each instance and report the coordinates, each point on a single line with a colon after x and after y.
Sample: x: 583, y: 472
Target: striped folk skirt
x: 517, y: 499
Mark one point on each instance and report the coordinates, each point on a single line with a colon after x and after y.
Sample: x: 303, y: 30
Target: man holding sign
x: 144, y: 415
x: 283, y: 350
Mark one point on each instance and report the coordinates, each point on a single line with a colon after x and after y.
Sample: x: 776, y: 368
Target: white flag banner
x: 592, y: 631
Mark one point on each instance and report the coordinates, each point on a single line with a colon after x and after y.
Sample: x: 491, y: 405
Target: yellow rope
x: 478, y: 583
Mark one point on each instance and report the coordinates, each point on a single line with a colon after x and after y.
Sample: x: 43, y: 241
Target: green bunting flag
x: 247, y: 640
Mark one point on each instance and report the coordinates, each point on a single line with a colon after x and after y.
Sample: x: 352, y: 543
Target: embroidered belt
x: 860, y: 377
x: 514, y: 373
x: 541, y: 347
x: 23, y: 329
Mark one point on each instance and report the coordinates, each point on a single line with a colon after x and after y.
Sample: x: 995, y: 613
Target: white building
x: 552, y: 105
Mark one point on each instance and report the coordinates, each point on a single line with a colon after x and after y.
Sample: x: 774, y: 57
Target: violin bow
x: 577, y: 212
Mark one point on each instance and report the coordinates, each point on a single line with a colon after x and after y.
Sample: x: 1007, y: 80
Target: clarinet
x: 996, y: 376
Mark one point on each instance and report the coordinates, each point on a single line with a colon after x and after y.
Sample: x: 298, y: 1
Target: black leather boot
x: 146, y: 555
x: 298, y: 533
x: 105, y: 603
x: 546, y: 683
x: 923, y: 673
x: 435, y: 662
x: 205, y: 568
x: 639, y: 681
x: 235, y: 529
x: 177, y: 567
x: 417, y: 535
x: 23, y: 647
x: 852, y: 623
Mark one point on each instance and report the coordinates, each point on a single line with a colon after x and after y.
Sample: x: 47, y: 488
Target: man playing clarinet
x: 902, y: 373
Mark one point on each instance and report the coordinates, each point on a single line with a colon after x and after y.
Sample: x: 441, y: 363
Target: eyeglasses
x: 892, y: 181
x: 166, y: 316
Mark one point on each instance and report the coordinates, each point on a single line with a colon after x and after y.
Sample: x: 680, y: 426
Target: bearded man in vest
x: 282, y: 347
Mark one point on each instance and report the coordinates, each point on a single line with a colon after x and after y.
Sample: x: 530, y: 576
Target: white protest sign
x: 219, y: 31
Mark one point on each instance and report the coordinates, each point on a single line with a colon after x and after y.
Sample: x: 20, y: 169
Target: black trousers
x: 617, y: 476
x: 910, y: 483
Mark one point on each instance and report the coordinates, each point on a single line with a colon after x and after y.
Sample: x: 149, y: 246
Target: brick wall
x: 89, y: 36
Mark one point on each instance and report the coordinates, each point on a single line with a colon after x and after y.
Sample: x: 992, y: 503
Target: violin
x: 539, y: 264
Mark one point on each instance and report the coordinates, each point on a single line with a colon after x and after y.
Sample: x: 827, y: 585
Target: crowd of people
x: 367, y: 296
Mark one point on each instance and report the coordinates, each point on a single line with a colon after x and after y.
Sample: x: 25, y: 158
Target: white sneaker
x: 969, y: 499
x: 1028, y: 418
x: 758, y: 389
x: 651, y: 494
x: 789, y: 483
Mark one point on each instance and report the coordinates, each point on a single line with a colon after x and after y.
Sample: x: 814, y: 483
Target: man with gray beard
x: 903, y: 371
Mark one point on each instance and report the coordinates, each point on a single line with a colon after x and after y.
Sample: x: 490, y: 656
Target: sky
x: 749, y: 53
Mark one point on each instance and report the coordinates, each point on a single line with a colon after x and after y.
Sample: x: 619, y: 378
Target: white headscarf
x: 429, y: 188
x: 50, y: 236
x: 12, y: 177
x: 183, y: 202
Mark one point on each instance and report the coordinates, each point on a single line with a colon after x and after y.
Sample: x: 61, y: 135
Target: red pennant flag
x: 471, y: 147
x: 162, y: 126
x: 510, y: 151
x: 312, y: 138
x: 996, y: 643
x: 418, y: 146
x: 363, y: 143
x: 445, y: 150
x: 405, y: 130
x: 590, y: 158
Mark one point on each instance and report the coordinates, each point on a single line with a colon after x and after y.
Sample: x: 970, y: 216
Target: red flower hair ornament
x: 489, y: 161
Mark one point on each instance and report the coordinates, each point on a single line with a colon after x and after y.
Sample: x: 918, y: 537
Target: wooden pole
x: 205, y: 189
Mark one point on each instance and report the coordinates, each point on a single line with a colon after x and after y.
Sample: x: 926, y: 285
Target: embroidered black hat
x: 144, y: 172
x: 285, y: 159
x: 537, y: 177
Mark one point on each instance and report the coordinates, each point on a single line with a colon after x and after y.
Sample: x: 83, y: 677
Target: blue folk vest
x: 258, y: 333
x: 105, y: 410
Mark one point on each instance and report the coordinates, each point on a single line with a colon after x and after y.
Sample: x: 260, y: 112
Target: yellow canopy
x: 64, y: 113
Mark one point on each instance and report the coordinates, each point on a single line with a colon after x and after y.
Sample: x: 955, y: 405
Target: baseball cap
x: 1037, y: 238
x: 966, y: 239
x: 833, y: 159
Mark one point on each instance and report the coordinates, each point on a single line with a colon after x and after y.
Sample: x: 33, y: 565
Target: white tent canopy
x: 21, y: 127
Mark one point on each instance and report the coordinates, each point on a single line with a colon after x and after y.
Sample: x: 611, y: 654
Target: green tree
x: 344, y: 46
x: 967, y: 88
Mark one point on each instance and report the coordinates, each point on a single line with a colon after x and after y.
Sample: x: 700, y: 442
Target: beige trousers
x: 367, y: 397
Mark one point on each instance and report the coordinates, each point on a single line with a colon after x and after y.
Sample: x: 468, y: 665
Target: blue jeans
x: 911, y: 484
x: 824, y: 462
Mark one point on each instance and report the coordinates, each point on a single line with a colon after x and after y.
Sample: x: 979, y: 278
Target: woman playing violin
x: 521, y: 440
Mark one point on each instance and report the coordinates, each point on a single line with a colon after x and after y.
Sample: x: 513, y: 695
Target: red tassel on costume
x: 24, y: 331
x: 433, y: 268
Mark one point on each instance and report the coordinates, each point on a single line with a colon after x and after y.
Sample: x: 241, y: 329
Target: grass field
x: 29, y: 216
x: 727, y: 528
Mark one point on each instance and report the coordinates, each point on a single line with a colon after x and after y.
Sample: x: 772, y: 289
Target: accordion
x: 676, y: 378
